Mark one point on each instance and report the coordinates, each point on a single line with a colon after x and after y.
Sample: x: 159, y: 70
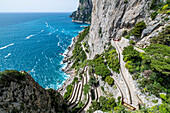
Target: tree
x: 109, y: 80
x: 92, y: 81
x: 137, y: 30
x: 86, y: 89
x: 163, y: 37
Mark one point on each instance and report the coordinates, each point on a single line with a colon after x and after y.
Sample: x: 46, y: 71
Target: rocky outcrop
x: 20, y: 93
x: 83, y: 13
x: 111, y: 18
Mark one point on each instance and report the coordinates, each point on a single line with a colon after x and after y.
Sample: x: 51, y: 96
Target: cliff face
x: 111, y: 18
x: 20, y: 93
x: 83, y: 13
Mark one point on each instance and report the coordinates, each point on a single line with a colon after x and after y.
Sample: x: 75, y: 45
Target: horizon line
x: 35, y: 12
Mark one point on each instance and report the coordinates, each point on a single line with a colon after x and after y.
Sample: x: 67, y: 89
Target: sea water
x: 33, y: 42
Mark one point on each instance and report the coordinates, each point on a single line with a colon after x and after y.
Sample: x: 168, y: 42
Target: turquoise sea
x: 33, y: 42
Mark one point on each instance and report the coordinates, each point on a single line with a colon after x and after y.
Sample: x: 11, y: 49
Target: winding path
x: 125, y: 74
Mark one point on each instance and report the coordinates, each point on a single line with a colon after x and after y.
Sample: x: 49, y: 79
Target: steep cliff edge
x: 20, y: 93
x: 83, y: 13
x: 118, y: 52
x: 111, y: 18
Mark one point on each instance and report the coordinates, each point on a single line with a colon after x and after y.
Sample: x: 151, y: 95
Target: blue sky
x: 38, y: 5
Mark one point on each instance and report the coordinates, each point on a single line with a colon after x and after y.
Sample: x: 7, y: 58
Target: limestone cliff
x: 111, y: 17
x: 83, y: 13
x: 20, y: 93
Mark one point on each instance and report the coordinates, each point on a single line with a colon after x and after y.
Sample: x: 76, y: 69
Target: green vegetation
x: 69, y: 92
x: 127, y: 36
x: 137, y: 30
x: 160, y: 6
x: 78, y: 54
x: 80, y: 105
x: 163, y: 37
x: 126, y: 1
x: 112, y: 59
x: 132, y: 42
x: 166, y: 19
x: 102, y: 88
x: 99, y: 66
x: 109, y: 80
x: 153, y: 15
x: 92, y: 81
x: 154, y: 64
x: 155, y: 101
x: 104, y: 104
x: 86, y: 89
x: 124, y: 33
x: 11, y: 75
x: 75, y: 80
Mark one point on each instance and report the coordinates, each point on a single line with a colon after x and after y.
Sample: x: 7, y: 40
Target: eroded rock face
x: 23, y: 94
x: 111, y: 17
x: 83, y: 13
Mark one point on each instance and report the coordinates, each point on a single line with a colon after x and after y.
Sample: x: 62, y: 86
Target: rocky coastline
x: 67, y: 69
x: 77, y: 21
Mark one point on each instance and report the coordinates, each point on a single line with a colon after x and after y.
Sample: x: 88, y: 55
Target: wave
x: 46, y: 24
x: 34, y: 34
x: 29, y: 36
x: 7, y: 55
x: 7, y: 46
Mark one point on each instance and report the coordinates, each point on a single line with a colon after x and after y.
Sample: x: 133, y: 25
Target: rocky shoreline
x: 80, y: 22
x: 67, y: 69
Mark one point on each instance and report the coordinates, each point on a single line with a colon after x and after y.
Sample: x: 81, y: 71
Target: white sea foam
x: 58, y: 43
x: 50, y: 33
x: 7, y: 55
x: 46, y: 24
x: 6, y: 46
x: 29, y: 36
x: 34, y: 34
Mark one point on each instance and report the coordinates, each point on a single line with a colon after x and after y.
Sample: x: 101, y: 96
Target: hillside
x: 121, y: 61
x: 20, y: 93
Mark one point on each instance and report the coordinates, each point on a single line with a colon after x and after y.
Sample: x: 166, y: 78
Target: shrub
x: 168, y: 12
x: 132, y: 42
x: 92, y: 81
x: 112, y: 59
x: 166, y: 19
x: 109, y: 80
x: 126, y: 1
x: 153, y: 4
x: 78, y: 54
x: 102, y: 88
x: 75, y: 80
x: 99, y: 66
x: 69, y: 91
x: 165, y: 7
x: 127, y: 36
x: 11, y: 75
x: 137, y: 30
x: 86, y: 89
x: 155, y: 101
x: 153, y: 15
x: 163, y: 37
x: 124, y: 33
